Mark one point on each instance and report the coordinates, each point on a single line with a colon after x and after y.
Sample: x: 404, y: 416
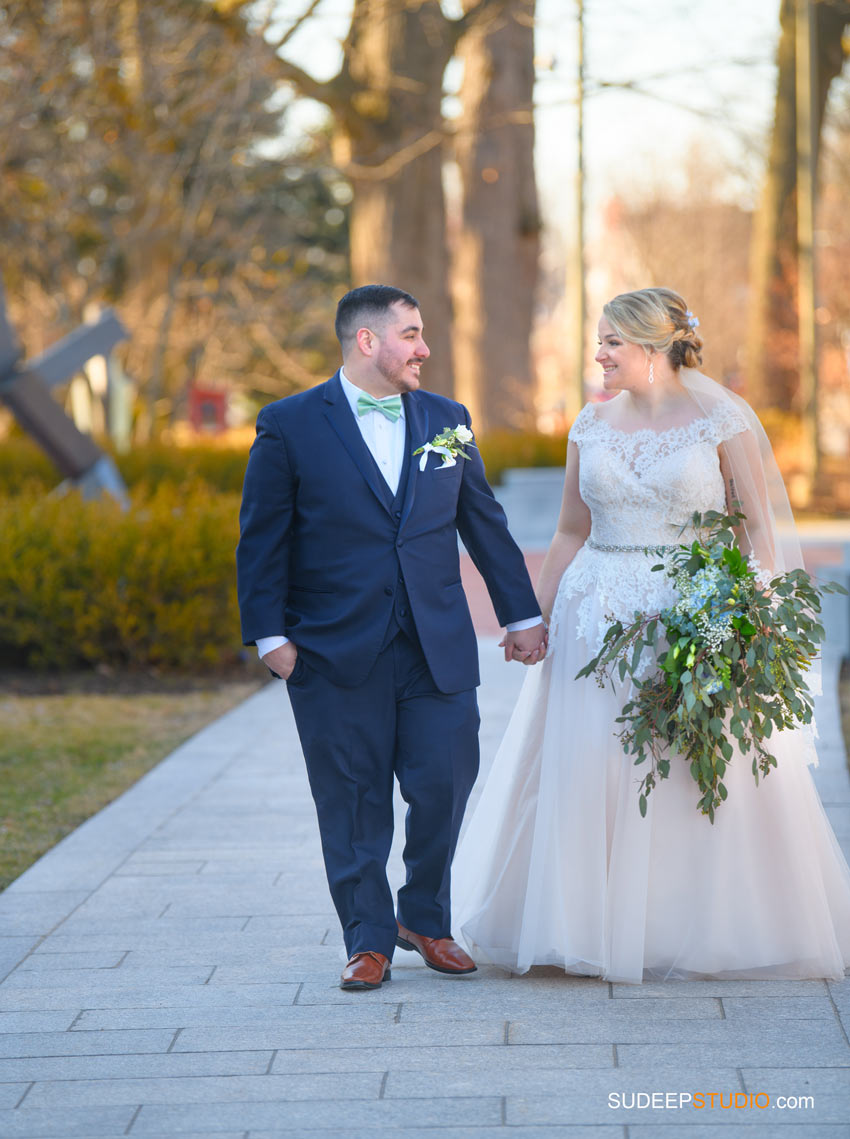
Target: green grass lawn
x: 63, y: 756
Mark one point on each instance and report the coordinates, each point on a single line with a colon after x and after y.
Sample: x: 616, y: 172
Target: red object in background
x: 208, y: 409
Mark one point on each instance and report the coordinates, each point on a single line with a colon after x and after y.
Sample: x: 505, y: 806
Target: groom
x: 349, y: 585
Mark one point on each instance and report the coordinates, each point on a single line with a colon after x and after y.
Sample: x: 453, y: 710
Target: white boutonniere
x: 449, y: 443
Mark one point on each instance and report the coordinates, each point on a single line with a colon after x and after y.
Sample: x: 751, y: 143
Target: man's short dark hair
x: 369, y: 304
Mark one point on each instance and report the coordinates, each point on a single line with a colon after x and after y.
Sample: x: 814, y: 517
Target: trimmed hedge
x: 83, y: 583
x: 222, y: 469
x: 504, y: 450
x: 24, y: 468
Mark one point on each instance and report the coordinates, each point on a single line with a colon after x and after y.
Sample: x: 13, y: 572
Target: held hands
x: 282, y: 660
x: 526, y: 645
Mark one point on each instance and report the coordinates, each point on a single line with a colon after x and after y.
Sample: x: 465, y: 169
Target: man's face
x: 400, y: 349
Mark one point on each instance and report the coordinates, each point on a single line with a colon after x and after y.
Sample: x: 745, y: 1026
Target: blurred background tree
x: 656, y: 224
x: 143, y: 163
x: 773, y: 345
x: 392, y: 141
x: 191, y: 162
x: 497, y: 238
x: 134, y: 173
x: 389, y: 137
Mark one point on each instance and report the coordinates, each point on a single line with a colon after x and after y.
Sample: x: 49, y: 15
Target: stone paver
x: 171, y: 969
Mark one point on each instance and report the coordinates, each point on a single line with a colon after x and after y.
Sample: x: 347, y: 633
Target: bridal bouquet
x: 730, y: 659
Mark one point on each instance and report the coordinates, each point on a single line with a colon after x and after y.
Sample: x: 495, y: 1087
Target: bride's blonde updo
x: 657, y: 318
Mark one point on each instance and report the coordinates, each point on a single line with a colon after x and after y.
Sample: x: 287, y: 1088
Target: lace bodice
x: 641, y: 488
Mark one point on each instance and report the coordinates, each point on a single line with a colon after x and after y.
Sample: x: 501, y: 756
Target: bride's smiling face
x: 625, y: 366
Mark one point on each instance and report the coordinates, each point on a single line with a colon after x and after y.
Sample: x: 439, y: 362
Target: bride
x: 557, y: 866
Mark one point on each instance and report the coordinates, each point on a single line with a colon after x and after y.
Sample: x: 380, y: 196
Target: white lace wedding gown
x: 556, y: 866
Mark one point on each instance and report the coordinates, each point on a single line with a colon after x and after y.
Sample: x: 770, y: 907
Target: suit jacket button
x: 388, y: 590
x: 399, y: 543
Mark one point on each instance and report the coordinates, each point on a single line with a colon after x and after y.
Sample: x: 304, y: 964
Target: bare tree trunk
x: 390, y: 142
x: 771, y: 373
x: 147, y: 427
x: 497, y: 248
x: 132, y: 53
x: 772, y: 348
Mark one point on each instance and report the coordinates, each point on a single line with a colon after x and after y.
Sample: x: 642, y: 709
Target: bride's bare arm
x: 573, y: 529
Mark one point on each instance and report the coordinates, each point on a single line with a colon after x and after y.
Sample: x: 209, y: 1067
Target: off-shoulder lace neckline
x: 646, y: 430
x: 645, y: 447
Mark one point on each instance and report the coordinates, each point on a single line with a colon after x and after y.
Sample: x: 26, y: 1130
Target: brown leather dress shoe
x: 439, y: 953
x: 366, y: 970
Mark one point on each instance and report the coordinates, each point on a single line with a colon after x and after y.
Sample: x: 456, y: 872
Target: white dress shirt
x: 385, y: 440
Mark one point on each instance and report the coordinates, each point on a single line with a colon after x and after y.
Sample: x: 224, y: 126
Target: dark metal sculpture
x: 25, y: 389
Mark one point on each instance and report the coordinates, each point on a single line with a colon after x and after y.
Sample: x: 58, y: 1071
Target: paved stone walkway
x: 171, y: 969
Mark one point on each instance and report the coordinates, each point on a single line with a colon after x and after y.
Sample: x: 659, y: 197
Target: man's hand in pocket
x: 282, y: 660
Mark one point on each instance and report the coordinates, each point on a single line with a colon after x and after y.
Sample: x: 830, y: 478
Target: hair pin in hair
x: 692, y: 320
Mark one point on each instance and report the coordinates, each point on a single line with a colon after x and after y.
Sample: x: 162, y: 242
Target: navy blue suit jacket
x: 320, y: 549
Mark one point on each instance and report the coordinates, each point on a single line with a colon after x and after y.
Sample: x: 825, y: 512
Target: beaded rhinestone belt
x: 645, y: 549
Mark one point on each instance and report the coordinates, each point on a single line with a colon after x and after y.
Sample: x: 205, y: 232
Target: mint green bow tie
x: 389, y: 406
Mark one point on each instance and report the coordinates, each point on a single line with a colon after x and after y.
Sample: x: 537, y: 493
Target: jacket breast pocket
x: 441, y: 478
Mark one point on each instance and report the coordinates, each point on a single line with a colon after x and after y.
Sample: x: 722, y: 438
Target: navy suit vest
x: 400, y: 615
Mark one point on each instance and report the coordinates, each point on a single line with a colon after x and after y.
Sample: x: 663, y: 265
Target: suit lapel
x: 339, y: 415
x: 417, y: 435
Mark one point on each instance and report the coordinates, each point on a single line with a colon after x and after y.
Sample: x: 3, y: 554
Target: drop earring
x: 651, y: 372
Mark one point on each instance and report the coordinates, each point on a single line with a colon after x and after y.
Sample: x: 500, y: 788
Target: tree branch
x: 398, y: 159
x: 426, y: 142
x: 334, y: 93
x: 277, y: 354
x: 478, y: 14
x: 296, y: 24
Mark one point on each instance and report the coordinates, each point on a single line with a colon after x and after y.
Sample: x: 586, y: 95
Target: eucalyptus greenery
x: 730, y: 659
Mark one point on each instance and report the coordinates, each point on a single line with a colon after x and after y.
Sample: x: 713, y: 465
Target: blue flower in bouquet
x: 703, y: 607
x: 699, y: 589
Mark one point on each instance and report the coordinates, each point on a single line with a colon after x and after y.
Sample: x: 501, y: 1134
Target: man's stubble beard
x: 399, y: 382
